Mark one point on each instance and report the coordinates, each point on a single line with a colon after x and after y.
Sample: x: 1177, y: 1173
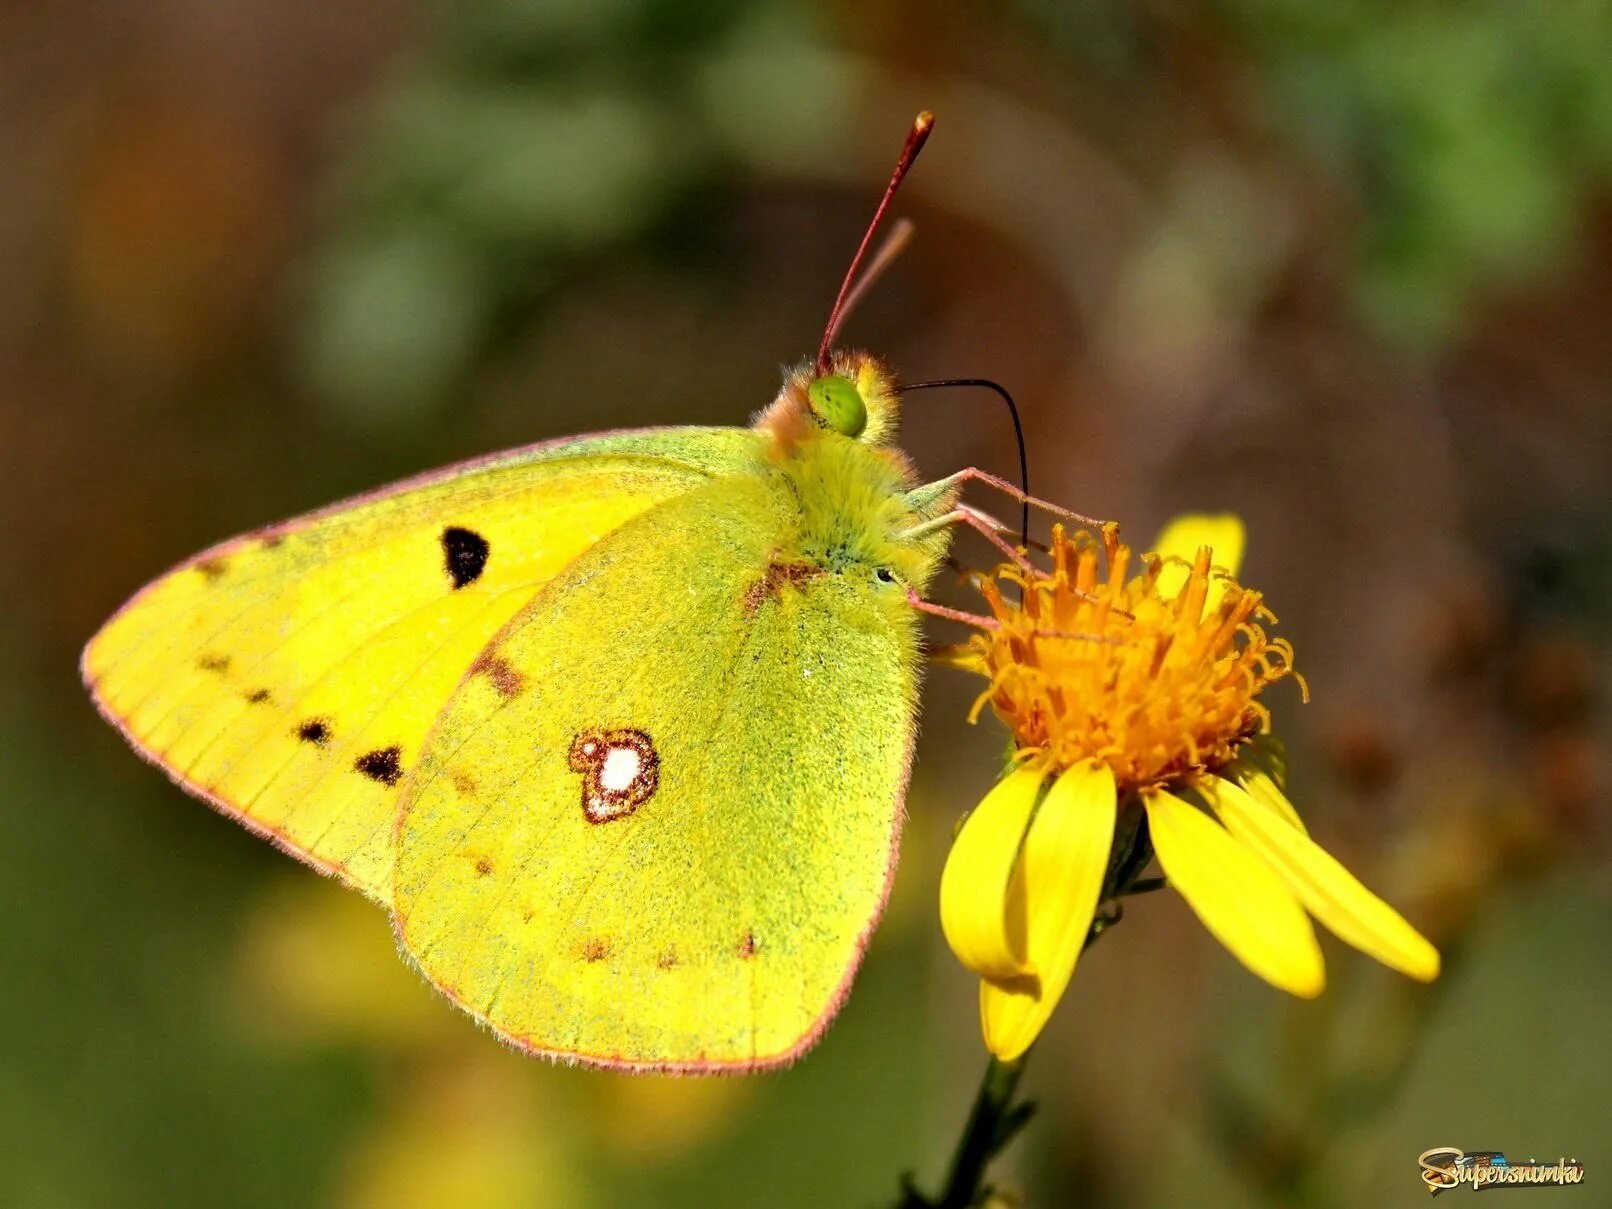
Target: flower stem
x: 995, y: 1120
x: 991, y: 1125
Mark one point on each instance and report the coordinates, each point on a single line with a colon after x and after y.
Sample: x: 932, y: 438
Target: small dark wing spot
x: 212, y: 568
x: 484, y: 866
x: 464, y: 555
x: 384, y: 765
x: 667, y: 960
x: 772, y: 583
x: 747, y: 946
x: 597, y: 949
x: 315, y: 731
x: 214, y: 663
x: 259, y: 696
x: 506, y: 680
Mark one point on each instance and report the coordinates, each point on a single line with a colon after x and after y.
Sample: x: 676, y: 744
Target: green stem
x: 995, y: 1120
x: 990, y: 1125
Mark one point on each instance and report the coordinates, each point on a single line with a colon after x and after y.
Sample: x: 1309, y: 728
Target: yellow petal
x: 974, y: 885
x: 1330, y: 892
x: 1260, y: 786
x: 1222, y: 532
x: 1239, y: 899
x: 1059, y: 877
x: 1184, y: 536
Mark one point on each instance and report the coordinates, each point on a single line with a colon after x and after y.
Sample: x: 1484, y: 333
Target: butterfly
x: 617, y: 727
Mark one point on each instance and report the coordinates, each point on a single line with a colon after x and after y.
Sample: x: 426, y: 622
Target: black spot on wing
x: 464, y: 554
x: 315, y: 731
x: 214, y: 663
x: 260, y: 696
x: 383, y: 765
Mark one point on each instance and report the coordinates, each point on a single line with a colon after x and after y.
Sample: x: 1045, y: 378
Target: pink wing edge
x: 231, y: 545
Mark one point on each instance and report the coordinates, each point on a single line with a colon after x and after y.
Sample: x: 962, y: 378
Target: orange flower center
x: 1154, y: 677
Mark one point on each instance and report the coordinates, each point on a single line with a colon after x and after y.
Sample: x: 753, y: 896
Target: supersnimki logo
x: 1446, y: 1167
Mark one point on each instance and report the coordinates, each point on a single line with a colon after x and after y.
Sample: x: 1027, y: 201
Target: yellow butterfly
x: 618, y: 727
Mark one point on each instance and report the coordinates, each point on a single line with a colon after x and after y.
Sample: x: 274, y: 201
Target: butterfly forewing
x: 289, y: 677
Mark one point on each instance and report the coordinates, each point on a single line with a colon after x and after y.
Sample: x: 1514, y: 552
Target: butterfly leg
x: 990, y: 623
x: 991, y: 529
x: 939, y: 610
x: 982, y: 523
x: 982, y: 622
x: 975, y: 474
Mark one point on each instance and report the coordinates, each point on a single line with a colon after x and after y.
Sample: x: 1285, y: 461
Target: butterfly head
x: 854, y: 397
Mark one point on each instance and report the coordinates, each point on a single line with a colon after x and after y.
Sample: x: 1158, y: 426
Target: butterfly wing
x: 660, y: 837
x: 288, y: 676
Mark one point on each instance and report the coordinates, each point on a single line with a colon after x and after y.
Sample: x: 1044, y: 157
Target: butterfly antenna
x: 916, y: 137
x: 894, y: 244
x: 1018, y: 435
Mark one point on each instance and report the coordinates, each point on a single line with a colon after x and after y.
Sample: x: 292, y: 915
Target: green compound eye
x: 837, y: 404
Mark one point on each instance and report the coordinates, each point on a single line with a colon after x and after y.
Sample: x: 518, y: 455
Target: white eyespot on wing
x: 620, y: 770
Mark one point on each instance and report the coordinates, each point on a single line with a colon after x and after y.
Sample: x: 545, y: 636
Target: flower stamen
x: 1153, y: 674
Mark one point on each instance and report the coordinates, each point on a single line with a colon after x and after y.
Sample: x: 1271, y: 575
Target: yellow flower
x: 1132, y: 698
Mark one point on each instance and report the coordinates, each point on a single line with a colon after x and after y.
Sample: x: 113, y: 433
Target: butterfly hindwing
x: 290, y: 676
x: 659, y: 835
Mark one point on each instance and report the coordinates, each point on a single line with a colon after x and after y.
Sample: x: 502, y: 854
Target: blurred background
x: 1339, y: 266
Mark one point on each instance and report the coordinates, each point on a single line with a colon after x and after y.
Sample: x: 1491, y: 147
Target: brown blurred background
x: 1340, y: 266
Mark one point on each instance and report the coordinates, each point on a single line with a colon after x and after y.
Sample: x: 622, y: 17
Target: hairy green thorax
x: 831, y: 436
x: 855, y: 509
